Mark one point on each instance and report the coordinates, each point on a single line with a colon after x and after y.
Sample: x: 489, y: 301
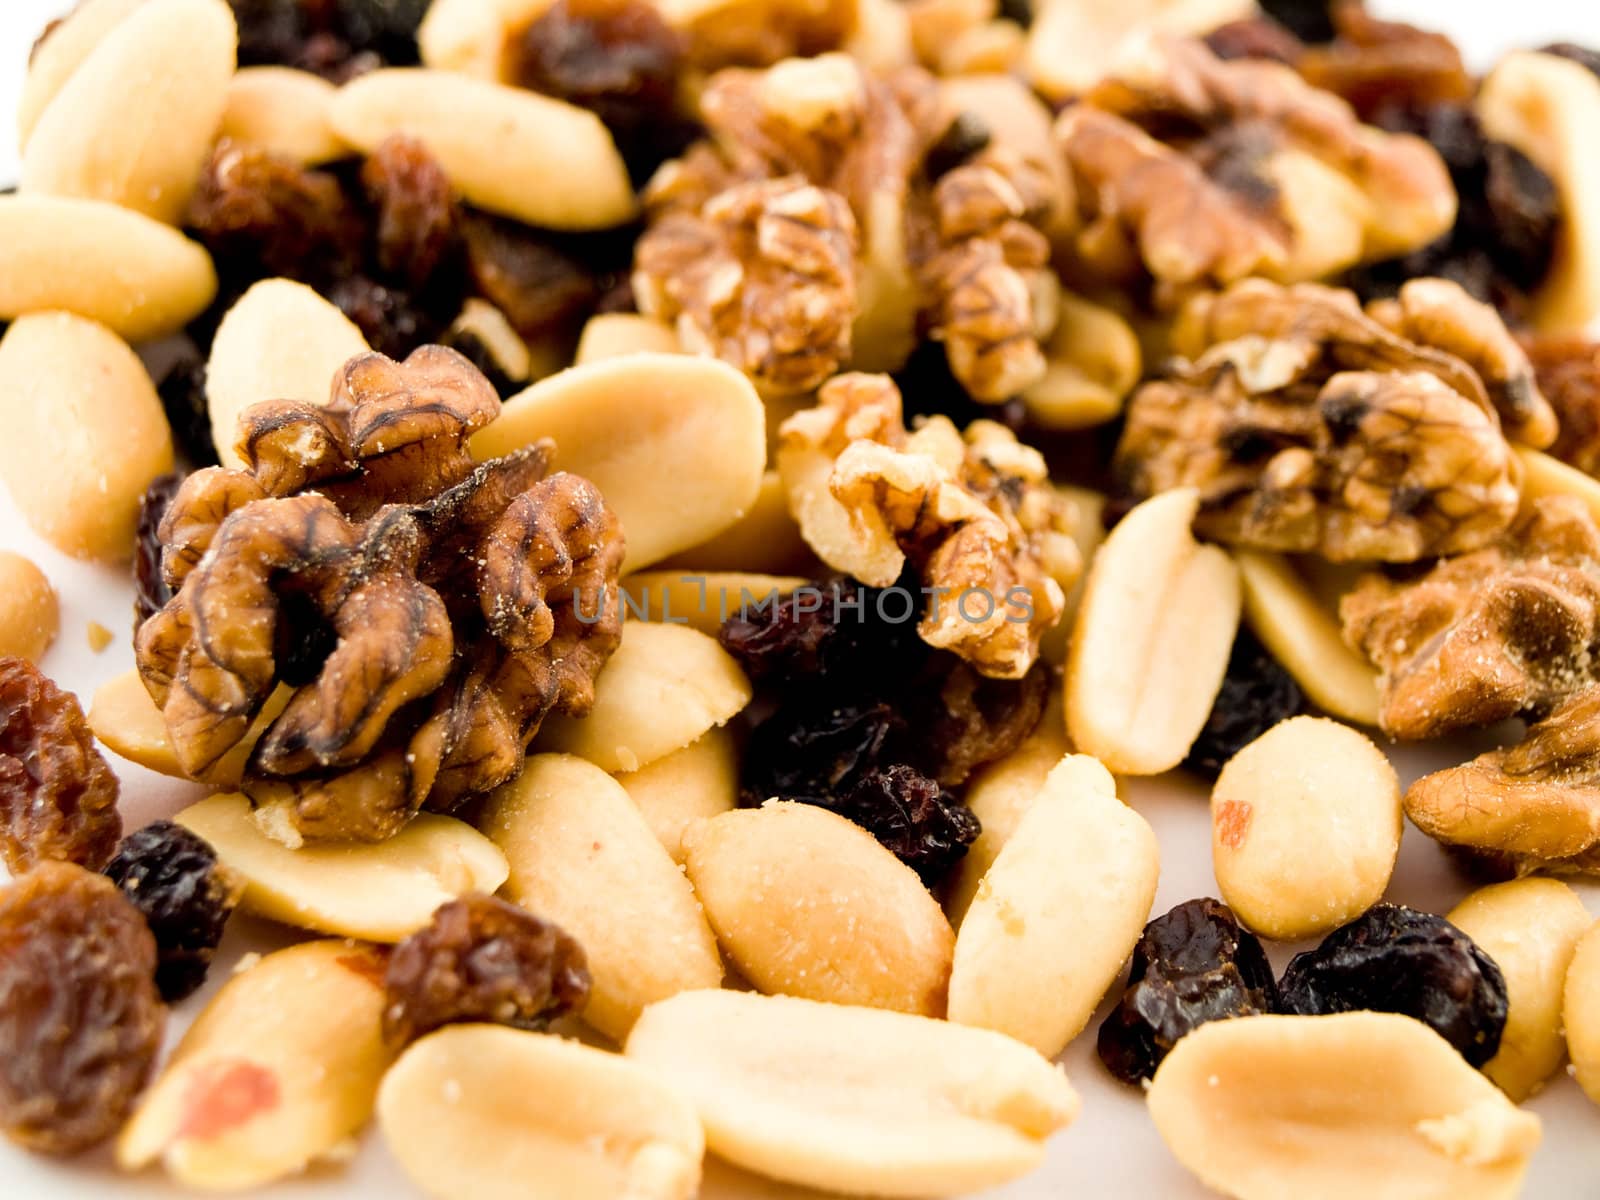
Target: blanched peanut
x: 672, y: 793
x: 278, y: 1070
x: 148, y: 279
x: 84, y: 433
x: 809, y: 904
x: 855, y: 1100
x: 506, y: 149
x: 131, y: 125
x: 1305, y: 827
x: 1094, y: 362
x: 1364, y: 1104
x: 1151, y: 639
x: 30, y: 615
x: 1057, y: 914
x: 634, y: 425
x: 510, y: 353
x: 282, y: 110
x: 766, y: 539
x: 62, y: 53
x: 665, y: 686
x: 1546, y: 476
x: 280, y: 341
x: 702, y: 600
x: 583, y: 857
x: 470, y: 36
x: 1580, y: 1012
x: 1304, y: 636
x: 379, y: 891
x: 610, y: 335
x: 482, y: 1112
x: 128, y: 723
x: 1530, y: 927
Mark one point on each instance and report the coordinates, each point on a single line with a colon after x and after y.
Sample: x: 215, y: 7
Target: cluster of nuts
x: 656, y: 491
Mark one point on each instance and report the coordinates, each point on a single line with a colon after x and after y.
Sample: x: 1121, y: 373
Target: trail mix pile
x: 687, y: 521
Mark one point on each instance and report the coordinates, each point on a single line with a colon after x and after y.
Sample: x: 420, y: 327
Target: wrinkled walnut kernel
x: 1380, y: 66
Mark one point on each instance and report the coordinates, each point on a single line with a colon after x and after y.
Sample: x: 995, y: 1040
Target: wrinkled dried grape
x: 173, y: 877
x: 540, y: 289
x: 817, y: 750
x: 58, y: 798
x: 183, y: 396
x: 1192, y: 965
x: 1256, y: 694
x: 831, y: 629
x: 963, y: 719
x: 417, y: 222
x: 1524, y: 213
x: 1396, y: 959
x: 336, y: 39
x: 923, y: 825
x: 80, y: 1019
x: 482, y: 959
x: 150, y: 590
x: 1308, y: 20
x: 390, y: 319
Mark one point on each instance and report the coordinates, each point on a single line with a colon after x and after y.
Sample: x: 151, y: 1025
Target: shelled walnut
x: 1309, y: 426
x: 428, y: 612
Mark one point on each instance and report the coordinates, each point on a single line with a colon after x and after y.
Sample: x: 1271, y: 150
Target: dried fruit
x: 1256, y: 694
x: 482, y: 959
x: 1192, y: 965
x: 183, y: 397
x: 1396, y: 959
x: 416, y: 219
x: 173, y: 877
x: 543, y: 291
x: 80, y: 1019
x: 391, y: 320
x: 925, y: 826
x: 150, y: 590
x: 58, y: 798
x: 1308, y: 20
x: 333, y: 38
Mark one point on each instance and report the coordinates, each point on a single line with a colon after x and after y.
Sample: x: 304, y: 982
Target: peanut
x: 280, y: 341
x: 1530, y: 927
x: 131, y: 125
x: 481, y: 1112
x: 379, y: 891
x: 702, y: 600
x: 1305, y: 828
x: 674, y: 792
x: 30, y: 615
x: 855, y: 1100
x: 284, y: 111
x: 1151, y: 639
x: 610, y: 335
x: 128, y: 723
x: 1094, y: 361
x: 501, y: 146
x: 277, y: 1071
x: 489, y: 326
x: 148, y: 279
x: 630, y: 424
x: 84, y: 433
x: 665, y: 686
x: 1580, y: 1012
x: 1058, y: 913
x: 582, y: 856
x: 765, y: 539
x: 1359, y: 1104
x: 57, y: 57
x: 808, y: 904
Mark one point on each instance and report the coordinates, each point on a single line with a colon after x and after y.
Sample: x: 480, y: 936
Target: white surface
x: 1113, y: 1150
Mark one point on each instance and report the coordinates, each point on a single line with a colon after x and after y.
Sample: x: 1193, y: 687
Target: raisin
x: 58, y: 798
x: 1256, y: 694
x: 922, y: 824
x: 1020, y: 11
x: 383, y: 29
x: 150, y: 590
x: 963, y: 719
x: 337, y: 39
x: 391, y: 320
x: 1255, y: 37
x: 1308, y: 20
x: 482, y: 959
x: 417, y: 235
x: 173, y: 877
x: 539, y: 288
x: 966, y: 135
x: 1396, y: 959
x: 1194, y: 964
x: 816, y: 750
x: 183, y: 396
x: 80, y: 1018
x: 832, y: 630
x: 1523, y: 208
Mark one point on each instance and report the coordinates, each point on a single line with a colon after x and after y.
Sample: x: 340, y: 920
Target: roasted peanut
x: 702, y: 600
x: 148, y: 279
x: 84, y: 433
x: 665, y: 686
x: 30, y: 615
x: 1058, y: 913
x: 765, y: 539
x: 1305, y: 827
x: 282, y: 110
x: 1530, y: 927
x: 380, y: 891
x: 276, y: 1072
x: 809, y: 904
x: 501, y: 146
x: 855, y: 1100
x: 1580, y: 1012
x: 482, y: 1112
x: 1071, y: 46
x: 1358, y: 1104
x: 1151, y: 639
x: 1094, y: 362
x: 58, y: 56
x: 672, y: 793
x: 582, y: 856
x: 165, y: 67
x: 630, y: 424
x: 280, y: 341
x: 610, y: 335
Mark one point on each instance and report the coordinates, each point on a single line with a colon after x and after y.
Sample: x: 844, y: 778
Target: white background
x: 1112, y: 1151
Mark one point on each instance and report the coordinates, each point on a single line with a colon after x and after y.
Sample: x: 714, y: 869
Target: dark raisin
x: 417, y: 227
x: 80, y: 1018
x: 1020, y: 11
x: 968, y: 134
x: 959, y: 719
x: 384, y: 29
x: 1581, y: 55
x: 922, y: 824
x: 482, y: 959
x: 183, y: 396
x: 337, y: 39
x: 1194, y: 964
x: 150, y: 590
x: 173, y: 877
x: 1255, y: 37
x: 58, y: 798
x: 1396, y: 959
x: 540, y: 289
x: 1256, y: 694
x: 391, y: 320
x: 1524, y: 210
x: 815, y: 749
x: 1308, y: 20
